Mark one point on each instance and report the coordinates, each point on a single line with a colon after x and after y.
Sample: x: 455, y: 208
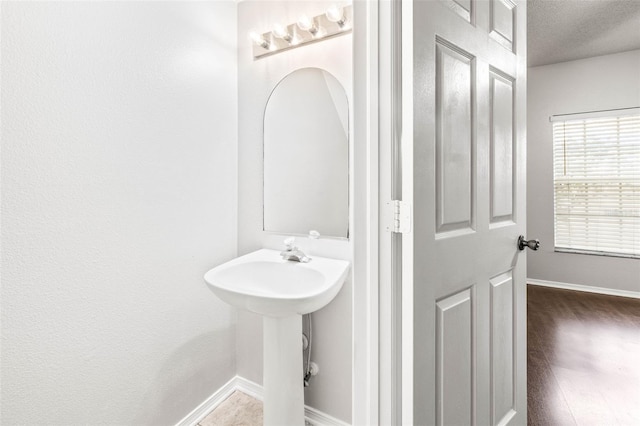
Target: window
x: 597, y: 182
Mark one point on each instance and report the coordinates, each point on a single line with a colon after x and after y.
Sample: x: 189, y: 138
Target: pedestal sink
x: 281, y: 291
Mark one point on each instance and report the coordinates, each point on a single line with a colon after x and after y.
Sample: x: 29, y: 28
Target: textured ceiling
x: 565, y: 30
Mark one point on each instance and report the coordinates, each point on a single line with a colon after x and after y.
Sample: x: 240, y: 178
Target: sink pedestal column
x: 282, y: 375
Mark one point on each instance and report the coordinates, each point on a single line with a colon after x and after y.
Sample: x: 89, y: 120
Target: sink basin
x: 264, y: 283
x: 281, y: 291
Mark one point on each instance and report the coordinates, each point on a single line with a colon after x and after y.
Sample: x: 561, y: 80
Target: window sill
x: 595, y: 253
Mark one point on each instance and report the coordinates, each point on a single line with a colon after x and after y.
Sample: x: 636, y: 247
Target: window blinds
x: 597, y: 182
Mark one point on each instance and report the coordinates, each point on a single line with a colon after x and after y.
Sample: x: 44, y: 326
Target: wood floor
x: 583, y: 358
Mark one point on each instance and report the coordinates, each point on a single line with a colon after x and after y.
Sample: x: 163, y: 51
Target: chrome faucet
x: 293, y: 253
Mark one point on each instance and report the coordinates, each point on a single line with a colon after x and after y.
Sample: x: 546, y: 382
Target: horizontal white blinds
x: 597, y: 183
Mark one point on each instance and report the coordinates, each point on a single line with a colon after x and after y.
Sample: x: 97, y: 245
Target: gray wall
x: 330, y: 391
x: 118, y: 193
x: 600, y: 83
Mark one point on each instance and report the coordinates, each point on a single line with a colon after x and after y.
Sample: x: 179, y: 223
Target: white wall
x: 118, y: 192
x: 600, y: 83
x: 330, y: 391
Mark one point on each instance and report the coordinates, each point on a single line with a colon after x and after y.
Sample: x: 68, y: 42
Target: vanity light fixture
x: 335, y: 21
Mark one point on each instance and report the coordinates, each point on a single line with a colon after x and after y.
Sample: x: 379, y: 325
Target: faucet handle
x: 289, y: 243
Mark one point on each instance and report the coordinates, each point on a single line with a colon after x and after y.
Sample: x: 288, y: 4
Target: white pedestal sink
x: 281, y: 291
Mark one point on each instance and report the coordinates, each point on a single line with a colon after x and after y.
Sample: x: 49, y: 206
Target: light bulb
x: 336, y: 14
x: 305, y: 23
x: 308, y: 24
x: 280, y: 31
x: 259, y: 40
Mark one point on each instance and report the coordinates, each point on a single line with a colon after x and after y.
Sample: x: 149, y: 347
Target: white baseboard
x: 250, y: 388
x: 201, y: 411
x: 311, y: 415
x: 318, y: 418
x: 587, y: 288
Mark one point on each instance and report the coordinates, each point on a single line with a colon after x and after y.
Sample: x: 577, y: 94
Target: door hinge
x: 400, y: 217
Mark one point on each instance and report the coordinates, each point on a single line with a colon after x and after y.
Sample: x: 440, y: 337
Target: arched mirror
x: 306, y: 155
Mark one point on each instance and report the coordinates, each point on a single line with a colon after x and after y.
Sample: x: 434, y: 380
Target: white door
x: 464, y: 310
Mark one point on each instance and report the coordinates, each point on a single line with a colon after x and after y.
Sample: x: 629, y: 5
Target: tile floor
x: 238, y: 410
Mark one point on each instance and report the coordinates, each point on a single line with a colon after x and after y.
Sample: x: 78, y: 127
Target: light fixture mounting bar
x: 325, y: 29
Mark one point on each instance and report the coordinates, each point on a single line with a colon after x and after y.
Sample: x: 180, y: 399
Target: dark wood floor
x: 583, y: 358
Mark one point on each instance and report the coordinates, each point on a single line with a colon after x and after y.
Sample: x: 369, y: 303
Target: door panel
x: 503, y: 19
x: 454, y: 358
x: 502, y: 102
x: 464, y: 8
x: 464, y: 87
x: 502, y: 348
x: 454, y: 121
